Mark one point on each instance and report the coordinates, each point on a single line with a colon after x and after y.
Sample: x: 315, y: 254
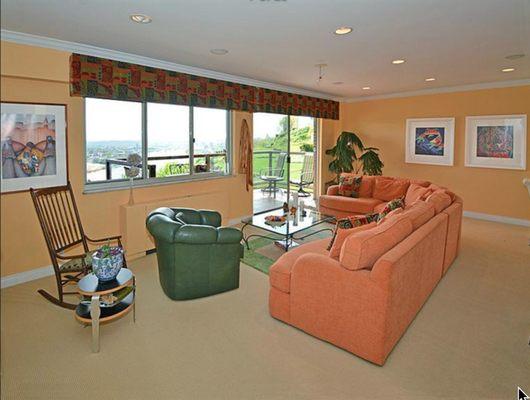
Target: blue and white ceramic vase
x: 107, y: 264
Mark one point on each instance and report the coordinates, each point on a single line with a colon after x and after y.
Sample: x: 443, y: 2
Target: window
x: 175, y: 142
x: 113, y: 131
x: 168, y: 139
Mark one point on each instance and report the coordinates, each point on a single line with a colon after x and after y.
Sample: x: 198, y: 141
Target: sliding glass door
x: 283, y: 160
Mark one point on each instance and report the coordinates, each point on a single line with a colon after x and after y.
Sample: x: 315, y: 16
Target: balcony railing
x: 263, y: 160
x: 204, y: 162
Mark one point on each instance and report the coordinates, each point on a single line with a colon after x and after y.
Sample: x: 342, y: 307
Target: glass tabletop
x: 91, y: 284
x: 293, y: 224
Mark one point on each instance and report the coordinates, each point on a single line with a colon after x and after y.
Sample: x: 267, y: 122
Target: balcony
x: 265, y: 161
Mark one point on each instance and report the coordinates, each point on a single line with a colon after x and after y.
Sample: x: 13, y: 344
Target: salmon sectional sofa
x: 364, y: 299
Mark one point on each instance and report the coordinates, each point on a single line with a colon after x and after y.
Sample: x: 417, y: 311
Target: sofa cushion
x: 415, y: 192
x: 350, y: 222
x: 440, y: 200
x: 386, y: 189
x: 388, y: 216
x: 434, y: 187
x: 419, y: 213
x: 280, y: 271
x: 342, y: 231
x: 362, y: 205
x: 361, y: 250
x: 420, y: 182
x: 380, y: 207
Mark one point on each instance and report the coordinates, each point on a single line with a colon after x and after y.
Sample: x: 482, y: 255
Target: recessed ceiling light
x: 398, y: 61
x: 508, y: 69
x: 338, y: 83
x: 366, y: 87
x: 430, y: 79
x: 141, y: 18
x: 514, y: 56
x: 343, y: 30
x: 219, y: 52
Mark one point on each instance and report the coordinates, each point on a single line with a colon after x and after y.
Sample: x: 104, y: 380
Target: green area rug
x: 263, y: 252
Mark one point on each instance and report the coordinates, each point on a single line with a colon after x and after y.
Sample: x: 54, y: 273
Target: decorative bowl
x: 106, y: 264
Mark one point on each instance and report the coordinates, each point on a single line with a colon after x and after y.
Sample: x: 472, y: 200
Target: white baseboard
x: 497, y: 218
x: 26, y: 276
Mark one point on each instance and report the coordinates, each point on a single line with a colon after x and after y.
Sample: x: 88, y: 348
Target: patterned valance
x: 109, y: 79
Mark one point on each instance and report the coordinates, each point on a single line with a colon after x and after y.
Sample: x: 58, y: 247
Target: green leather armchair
x: 196, y: 257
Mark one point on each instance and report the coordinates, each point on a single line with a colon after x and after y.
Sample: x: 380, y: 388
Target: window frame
x: 121, y: 184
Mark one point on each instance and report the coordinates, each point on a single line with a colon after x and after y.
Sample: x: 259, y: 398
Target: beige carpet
x: 470, y: 341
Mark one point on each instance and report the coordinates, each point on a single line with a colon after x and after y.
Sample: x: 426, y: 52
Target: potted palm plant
x: 350, y: 155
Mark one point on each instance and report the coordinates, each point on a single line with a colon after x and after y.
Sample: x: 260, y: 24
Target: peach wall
x: 33, y: 74
x: 381, y: 123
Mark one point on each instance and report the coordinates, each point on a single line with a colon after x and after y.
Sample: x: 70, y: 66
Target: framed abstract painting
x: 33, y: 143
x: 430, y: 141
x: 496, y: 141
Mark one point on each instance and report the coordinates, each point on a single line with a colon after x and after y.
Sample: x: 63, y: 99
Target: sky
x: 122, y: 120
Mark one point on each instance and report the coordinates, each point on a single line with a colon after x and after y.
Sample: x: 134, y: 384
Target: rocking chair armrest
x: 72, y: 257
x: 118, y: 237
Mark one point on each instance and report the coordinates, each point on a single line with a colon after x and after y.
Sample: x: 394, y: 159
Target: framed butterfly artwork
x: 33, y: 145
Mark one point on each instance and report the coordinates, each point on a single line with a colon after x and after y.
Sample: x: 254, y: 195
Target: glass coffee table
x: 292, y: 230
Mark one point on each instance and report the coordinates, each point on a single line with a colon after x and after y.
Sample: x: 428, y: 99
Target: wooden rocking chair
x: 62, y: 229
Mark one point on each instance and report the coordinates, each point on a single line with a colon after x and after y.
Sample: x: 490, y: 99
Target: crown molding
x: 57, y: 44
x: 447, y: 89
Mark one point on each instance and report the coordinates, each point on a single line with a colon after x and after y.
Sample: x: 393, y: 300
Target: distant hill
x: 113, y: 143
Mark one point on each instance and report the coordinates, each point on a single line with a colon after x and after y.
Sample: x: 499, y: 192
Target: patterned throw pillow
x: 349, y: 186
x: 390, y: 215
x: 350, y: 223
x: 390, y: 206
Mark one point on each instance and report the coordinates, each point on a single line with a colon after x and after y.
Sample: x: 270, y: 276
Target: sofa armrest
x: 342, y: 306
x: 333, y: 190
x: 229, y: 235
x: 162, y: 227
x: 314, y: 272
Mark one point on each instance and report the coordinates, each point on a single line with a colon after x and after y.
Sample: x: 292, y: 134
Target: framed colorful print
x: 33, y: 142
x: 496, y: 141
x: 430, y: 141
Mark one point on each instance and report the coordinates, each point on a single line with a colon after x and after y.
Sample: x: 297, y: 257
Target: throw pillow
x: 439, y: 199
x: 390, y: 215
x: 387, y: 188
x: 415, y: 192
x: 349, y: 185
x: 350, y: 223
x: 390, y: 206
x: 342, y: 234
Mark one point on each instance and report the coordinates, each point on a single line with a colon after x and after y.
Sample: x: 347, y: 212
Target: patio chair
x: 62, y: 229
x: 273, y: 175
x: 306, y: 175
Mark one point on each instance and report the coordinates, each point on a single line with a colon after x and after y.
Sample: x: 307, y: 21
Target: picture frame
x: 430, y: 141
x: 496, y: 141
x: 33, y: 143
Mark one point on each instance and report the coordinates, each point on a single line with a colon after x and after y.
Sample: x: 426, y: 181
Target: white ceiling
x: 459, y: 42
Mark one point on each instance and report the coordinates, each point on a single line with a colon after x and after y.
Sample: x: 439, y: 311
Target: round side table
x: 94, y: 312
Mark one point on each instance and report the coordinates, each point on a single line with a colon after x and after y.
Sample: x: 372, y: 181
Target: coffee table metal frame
x: 288, y: 239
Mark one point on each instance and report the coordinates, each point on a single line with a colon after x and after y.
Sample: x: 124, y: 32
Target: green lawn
x: 261, y: 162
